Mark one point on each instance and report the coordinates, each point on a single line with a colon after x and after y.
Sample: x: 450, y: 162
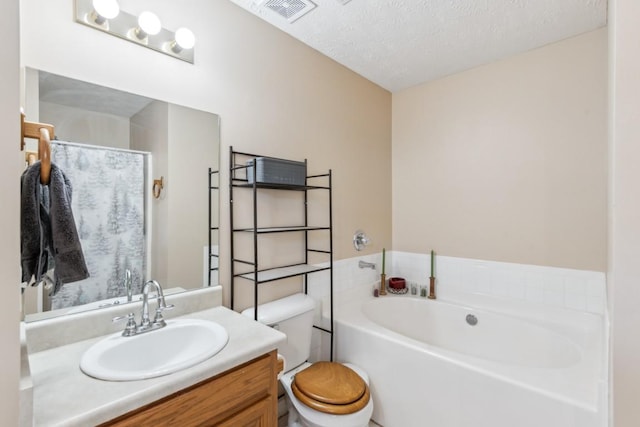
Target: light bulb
x: 149, y: 23
x: 185, y: 38
x: 105, y: 9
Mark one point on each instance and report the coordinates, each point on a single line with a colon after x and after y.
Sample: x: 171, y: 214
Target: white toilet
x: 334, y: 394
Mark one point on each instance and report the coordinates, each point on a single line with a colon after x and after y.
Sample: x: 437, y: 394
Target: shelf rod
x: 323, y: 329
x: 331, y: 265
x: 231, y: 176
x: 267, y: 230
x: 210, y: 228
x: 279, y: 277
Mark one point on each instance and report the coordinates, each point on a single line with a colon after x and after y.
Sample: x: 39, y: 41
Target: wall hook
x: 158, y: 185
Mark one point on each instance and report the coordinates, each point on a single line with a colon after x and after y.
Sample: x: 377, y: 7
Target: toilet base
x: 296, y: 419
x: 293, y: 419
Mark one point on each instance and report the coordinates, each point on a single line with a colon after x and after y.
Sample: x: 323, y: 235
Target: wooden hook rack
x: 44, y: 133
x: 32, y: 130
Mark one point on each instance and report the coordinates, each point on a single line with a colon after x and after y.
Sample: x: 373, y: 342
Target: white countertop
x: 64, y: 396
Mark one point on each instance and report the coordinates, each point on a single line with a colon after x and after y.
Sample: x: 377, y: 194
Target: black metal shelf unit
x: 213, y: 228
x: 239, y: 163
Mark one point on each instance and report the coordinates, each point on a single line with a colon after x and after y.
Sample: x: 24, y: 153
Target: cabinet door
x: 256, y: 415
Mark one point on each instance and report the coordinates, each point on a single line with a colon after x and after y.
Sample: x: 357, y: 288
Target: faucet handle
x: 131, y: 327
x: 158, y: 319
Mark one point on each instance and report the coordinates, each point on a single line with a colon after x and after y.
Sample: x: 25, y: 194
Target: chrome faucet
x: 365, y: 264
x: 158, y: 321
x: 146, y: 324
x: 128, y: 285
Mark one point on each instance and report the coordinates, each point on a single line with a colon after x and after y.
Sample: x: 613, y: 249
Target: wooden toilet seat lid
x: 331, y: 387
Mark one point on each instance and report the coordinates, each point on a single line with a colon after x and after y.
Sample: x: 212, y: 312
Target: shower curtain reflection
x: 108, y: 202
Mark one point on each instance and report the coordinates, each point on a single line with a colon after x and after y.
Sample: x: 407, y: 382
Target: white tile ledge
x: 58, y: 380
x: 545, y: 286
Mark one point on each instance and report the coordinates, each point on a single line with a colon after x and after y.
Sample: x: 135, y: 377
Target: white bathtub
x: 429, y: 367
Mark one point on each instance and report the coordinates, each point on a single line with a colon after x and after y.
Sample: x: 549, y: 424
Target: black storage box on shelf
x: 277, y: 171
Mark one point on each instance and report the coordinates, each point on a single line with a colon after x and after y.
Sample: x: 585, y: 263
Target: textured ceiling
x: 400, y: 43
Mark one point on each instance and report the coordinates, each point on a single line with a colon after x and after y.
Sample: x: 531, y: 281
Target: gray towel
x: 48, y: 234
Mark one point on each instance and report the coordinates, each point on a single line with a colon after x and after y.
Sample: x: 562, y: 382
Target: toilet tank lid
x: 282, y: 309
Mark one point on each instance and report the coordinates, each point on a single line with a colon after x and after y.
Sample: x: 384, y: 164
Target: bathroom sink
x: 179, y: 345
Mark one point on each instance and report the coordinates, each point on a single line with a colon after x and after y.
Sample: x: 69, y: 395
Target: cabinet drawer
x: 213, y: 400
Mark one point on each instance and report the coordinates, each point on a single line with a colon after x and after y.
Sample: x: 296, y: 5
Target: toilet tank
x: 293, y: 316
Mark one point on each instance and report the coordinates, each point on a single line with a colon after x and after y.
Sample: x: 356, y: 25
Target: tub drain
x: 472, y: 320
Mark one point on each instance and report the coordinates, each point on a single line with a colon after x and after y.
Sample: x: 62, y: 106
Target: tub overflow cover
x: 472, y: 320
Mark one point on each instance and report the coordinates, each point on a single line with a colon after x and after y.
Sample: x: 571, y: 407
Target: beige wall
x: 275, y: 96
x: 507, y: 161
x: 85, y: 126
x: 10, y: 167
x: 150, y: 132
x: 187, y: 192
x: 624, y: 226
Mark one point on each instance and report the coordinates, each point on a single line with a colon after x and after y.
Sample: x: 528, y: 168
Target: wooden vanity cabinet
x: 244, y: 396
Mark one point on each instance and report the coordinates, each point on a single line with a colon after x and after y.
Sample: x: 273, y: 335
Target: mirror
x: 142, y: 197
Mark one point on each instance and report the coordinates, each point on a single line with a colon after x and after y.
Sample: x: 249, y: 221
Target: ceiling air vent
x: 291, y: 10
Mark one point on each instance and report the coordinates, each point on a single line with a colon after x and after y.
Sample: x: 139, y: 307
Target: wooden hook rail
x: 44, y: 133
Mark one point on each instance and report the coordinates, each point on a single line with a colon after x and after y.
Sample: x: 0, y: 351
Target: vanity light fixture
x: 148, y: 25
x: 184, y: 40
x: 103, y: 10
x: 144, y: 30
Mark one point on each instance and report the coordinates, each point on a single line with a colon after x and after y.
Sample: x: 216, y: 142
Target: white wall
x: 624, y: 208
x: 10, y: 168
